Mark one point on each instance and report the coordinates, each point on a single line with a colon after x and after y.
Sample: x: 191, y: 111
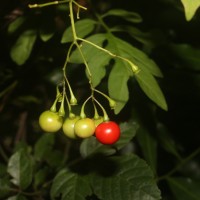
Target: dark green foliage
x: 157, y: 155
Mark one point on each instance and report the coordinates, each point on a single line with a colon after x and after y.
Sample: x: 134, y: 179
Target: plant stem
x: 105, y: 115
x: 47, y: 4
x: 134, y: 68
x: 176, y: 168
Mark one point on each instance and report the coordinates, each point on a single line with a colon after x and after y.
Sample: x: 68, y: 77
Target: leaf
x: 43, y: 147
x: 188, y: 55
x: 132, y: 179
x: 17, y: 197
x: 149, y: 147
x: 3, y: 168
x: 21, y: 50
x: 126, y: 15
x: 184, y: 188
x: 139, y: 58
x: 190, y: 8
x: 128, y: 132
x: 166, y: 140
x: 47, y: 28
x: 151, y: 88
x: 20, y: 169
x: 16, y: 24
x: 117, y: 82
x: 41, y: 176
x: 70, y: 186
x: 150, y: 39
x: 90, y: 146
x: 5, y: 186
x: 45, y: 36
x: 83, y: 28
x: 117, y: 85
x: 96, y: 59
x: 8, y: 88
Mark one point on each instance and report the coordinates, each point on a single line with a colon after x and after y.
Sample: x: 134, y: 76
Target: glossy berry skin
x: 50, y: 121
x: 107, y: 132
x: 68, y: 127
x: 84, y: 127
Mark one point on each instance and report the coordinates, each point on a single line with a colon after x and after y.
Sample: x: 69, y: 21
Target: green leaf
x: 96, y: 59
x: 90, y: 146
x: 139, y: 58
x: 70, y: 186
x: 128, y: 132
x: 47, y: 28
x: 117, y: 85
x: 131, y: 178
x: 3, y: 168
x: 41, y: 176
x: 83, y: 28
x: 17, y: 197
x: 126, y: 15
x: 16, y: 24
x: 45, y: 36
x: 189, y: 56
x: 21, y: 50
x: 184, y: 188
x: 4, y: 187
x: 151, y: 88
x: 190, y: 8
x: 150, y: 39
x: 20, y: 168
x: 43, y: 147
x: 149, y: 147
x: 166, y: 140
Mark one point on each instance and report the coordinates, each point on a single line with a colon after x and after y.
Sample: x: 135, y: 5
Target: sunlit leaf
x: 96, y: 59
x: 20, y: 168
x: 190, y: 8
x: 83, y: 28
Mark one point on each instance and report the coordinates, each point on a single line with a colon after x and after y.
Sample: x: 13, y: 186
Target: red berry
x: 107, y: 132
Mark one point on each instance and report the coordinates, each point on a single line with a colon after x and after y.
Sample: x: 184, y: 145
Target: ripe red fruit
x: 107, y: 132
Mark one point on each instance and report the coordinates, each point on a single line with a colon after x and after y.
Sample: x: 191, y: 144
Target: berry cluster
x: 106, y: 132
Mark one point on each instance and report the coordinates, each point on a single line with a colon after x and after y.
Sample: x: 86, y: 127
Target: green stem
x: 96, y: 114
x: 85, y: 63
x: 176, y: 168
x: 79, y: 6
x: 47, y: 4
x: 72, y: 20
x: 134, y: 68
x: 82, y: 114
x: 105, y: 116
